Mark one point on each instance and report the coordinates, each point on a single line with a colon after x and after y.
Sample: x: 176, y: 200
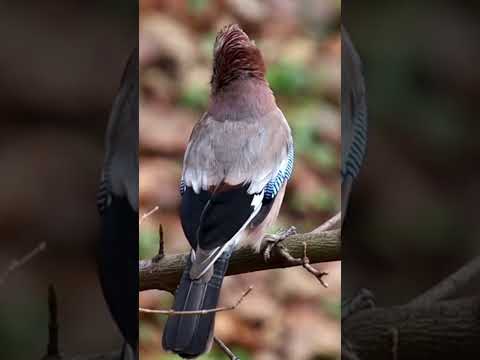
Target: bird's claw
x: 274, y: 240
x: 363, y: 300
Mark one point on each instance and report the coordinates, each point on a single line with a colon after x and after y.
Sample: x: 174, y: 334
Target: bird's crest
x: 235, y: 56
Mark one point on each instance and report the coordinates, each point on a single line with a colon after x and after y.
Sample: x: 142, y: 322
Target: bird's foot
x: 274, y: 240
x: 362, y: 301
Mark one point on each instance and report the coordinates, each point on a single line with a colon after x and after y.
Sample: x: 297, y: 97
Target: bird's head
x: 235, y: 56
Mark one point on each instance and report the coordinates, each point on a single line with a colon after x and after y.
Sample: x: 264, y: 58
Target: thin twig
x: 394, y: 343
x: 52, y: 349
x: 304, y: 261
x: 147, y: 214
x: 225, y: 349
x: 198, y: 312
x: 453, y: 284
x: 161, y: 250
x: 331, y: 224
x: 53, y: 352
x: 15, y: 264
x: 306, y: 264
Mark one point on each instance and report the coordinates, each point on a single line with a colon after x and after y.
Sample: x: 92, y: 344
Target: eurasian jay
x: 354, y: 117
x: 236, y: 166
x: 117, y: 202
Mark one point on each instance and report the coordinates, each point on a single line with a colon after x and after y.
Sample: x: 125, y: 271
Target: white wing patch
x: 232, y: 243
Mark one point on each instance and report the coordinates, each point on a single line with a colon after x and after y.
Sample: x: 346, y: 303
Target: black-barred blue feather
x: 354, y: 117
x: 274, y: 185
x: 182, y: 186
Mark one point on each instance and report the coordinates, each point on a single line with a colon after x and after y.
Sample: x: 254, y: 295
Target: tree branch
x: 429, y: 324
x: 331, y: 224
x: 453, y: 284
x: 165, y: 273
x: 447, y: 329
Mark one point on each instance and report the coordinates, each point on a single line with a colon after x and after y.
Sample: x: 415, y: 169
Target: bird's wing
x: 117, y: 201
x: 120, y: 171
x: 354, y: 116
x: 231, y: 170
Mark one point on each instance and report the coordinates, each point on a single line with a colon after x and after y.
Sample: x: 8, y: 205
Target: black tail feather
x: 191, y: 335
x: 118, y: 266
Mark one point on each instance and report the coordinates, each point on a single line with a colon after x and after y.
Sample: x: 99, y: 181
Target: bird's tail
x: 191, y: 335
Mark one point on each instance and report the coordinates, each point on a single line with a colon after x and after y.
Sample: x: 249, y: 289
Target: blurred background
x: 413, y: 217
x: 60, y: 68
x: 288, y: 315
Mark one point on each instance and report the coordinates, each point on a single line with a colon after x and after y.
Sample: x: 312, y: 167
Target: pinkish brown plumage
x: 235, y: 56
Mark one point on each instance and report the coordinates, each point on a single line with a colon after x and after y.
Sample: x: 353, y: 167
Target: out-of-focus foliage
x: 414, y: 210
x: 288, y: 315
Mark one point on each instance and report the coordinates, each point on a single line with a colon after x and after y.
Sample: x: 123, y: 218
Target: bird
x: 354, y: 118
x: 238, y: 160
x: 117, y: 202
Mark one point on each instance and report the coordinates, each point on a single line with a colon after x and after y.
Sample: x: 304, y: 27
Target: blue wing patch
x: 274, y: 185
x: 351, y: 165
x: 182, y: 187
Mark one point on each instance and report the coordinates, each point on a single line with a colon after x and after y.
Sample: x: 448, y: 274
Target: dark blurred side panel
x: 413, y: 217
x: 61, y: 63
